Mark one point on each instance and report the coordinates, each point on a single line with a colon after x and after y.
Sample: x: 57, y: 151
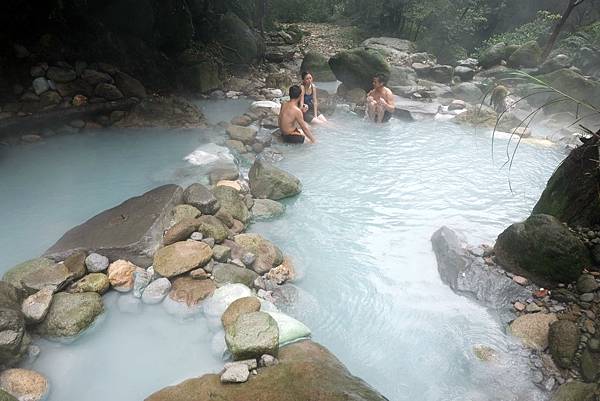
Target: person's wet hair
x: 295, y: 91
x: 382, y: 78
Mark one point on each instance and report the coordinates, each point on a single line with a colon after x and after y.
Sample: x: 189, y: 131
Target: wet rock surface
x: 132, y: 231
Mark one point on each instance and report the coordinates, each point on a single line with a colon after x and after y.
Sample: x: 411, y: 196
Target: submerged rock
x: 306, y: 371
x: 70, y: 314
x: 131, y: 231
x: 542, y: 249
x: 268, y: 181
x: 156, y: 291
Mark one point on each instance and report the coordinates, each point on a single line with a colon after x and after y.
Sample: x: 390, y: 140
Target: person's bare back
x: 291, y: 118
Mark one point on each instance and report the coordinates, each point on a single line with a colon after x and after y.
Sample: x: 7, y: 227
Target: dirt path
x: 328, y: 39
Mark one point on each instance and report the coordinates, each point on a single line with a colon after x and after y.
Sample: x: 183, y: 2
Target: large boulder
x: 357, y: 67
x: 266, y: 209
x: 576, y: 391
x: 15, y: 274
x: 232, y: 203
x: 267, y: 254
x: 528, y: 55
x: 317, y: 64
x: 542, y: 249
x: 493, y: 55
x: 402, y: 76
x: 386, y: 44
x: 306, y: 371
x: 467, y: 91
x: 202, y: 77
x: 270, y: 182
x: 575, y: 85
x: 533, y: 329
x: 130, y: 86
x: 131, y: 231
x: 252, y: 335
x: 70, y: 314
x: 563, y: 340
x: 571, y: 194
x: 242, y: 44
x: 181, y: 257
x: 14, y: 340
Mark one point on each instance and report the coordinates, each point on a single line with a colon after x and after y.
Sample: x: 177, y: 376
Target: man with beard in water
x: 291, y: 120
x: 380, y: 101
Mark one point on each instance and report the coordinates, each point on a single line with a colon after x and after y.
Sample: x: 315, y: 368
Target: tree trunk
x: 559, y: 26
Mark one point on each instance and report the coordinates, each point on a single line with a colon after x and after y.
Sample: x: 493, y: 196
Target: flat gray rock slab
x: 131, y: 231
x: 468, y: 275
x: 408, y: 109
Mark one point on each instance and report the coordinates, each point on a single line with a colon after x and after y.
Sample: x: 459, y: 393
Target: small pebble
x: 96, y: 263
x: 196, y: 236
x: 519, y: 306
x: 209, y: 241
x: 248, y: 259
x: 520, y: 280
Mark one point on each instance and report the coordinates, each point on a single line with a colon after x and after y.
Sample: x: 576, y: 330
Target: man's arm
x: 304, y: 126
x: 388, y: 101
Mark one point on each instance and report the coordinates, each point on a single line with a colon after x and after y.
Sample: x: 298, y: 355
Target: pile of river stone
x: 561, y: 326
x: 204, y: 248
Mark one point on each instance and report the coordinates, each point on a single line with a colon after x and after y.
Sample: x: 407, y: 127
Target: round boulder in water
x: 156, y: 291
x: 542, y: 249
x: 24, y: 385
x: 268, y: 181
x: 70, y: 314
x: 238, y: 308
x: 252, y: 335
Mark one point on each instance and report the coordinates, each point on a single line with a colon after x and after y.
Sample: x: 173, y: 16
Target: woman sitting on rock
x: 308, y: 100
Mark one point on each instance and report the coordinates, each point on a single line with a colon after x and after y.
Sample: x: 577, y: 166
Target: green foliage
x: 536, y: 30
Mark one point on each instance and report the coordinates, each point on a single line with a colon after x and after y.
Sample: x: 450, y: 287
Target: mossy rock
x: 357, y: 67
x: 202, y: 77
x: 242, y: 44
x: 493, y: 55
x: 17, y: 273
x: 70, y: 314
x: 542, y: 249
x: 306, y: 371
x: 571, y: 193
x: 317, y: 64
x: 528, y: 55
x: 575, y: 391
x: 575, y: 85
x: 563, y: 339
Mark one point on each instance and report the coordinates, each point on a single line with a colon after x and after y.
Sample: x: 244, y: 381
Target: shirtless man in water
x: 290, y: 117
x: 380, y: 101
